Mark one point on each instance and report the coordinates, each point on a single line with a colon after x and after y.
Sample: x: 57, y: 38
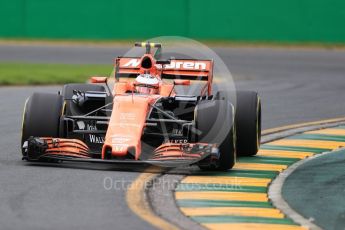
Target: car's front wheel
x: 41, y: 116
x: 214, y: 123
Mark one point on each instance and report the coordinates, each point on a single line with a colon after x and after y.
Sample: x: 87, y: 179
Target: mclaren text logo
x: 193, y: 65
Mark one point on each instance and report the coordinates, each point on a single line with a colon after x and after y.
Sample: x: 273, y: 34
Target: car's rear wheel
x: 215, y: 124
x: 67, y: 92
x: 247, y: 121
x: 41, y: 116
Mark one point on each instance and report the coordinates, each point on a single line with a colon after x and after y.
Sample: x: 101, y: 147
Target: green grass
x: 48, y: 74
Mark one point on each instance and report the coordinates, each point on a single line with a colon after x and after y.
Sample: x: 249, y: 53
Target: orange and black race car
x: 142, y: 118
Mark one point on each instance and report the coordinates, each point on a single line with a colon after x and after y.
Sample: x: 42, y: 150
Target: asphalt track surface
x: 295, y: 85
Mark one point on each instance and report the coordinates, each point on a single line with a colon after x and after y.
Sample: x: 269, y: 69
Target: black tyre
x: 41, y: 116
x: 247, y: 121
x: 67, y: 94
x: 214, y: 122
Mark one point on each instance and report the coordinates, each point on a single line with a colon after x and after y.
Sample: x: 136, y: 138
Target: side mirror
x: 98, y: 79
x: 181, y: 82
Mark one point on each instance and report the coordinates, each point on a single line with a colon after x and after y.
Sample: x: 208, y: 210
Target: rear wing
x: 190, y: 69
x: 184, y: 68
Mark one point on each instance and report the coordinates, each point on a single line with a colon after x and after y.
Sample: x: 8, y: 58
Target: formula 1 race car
x: 142, y: 118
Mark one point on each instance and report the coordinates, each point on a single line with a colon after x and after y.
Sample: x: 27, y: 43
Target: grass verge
x: 48, y: 74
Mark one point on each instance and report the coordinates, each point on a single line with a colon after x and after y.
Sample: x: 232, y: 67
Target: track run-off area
x: 239, y: 199
x: 295, y: 85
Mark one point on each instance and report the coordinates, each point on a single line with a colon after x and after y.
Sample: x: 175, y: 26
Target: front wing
x: 166, y: 155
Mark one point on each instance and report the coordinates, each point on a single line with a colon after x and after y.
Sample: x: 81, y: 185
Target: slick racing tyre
x: 71, y: 109
x: 247, y: 121
x: 41, y: 116
x: 214, y: 124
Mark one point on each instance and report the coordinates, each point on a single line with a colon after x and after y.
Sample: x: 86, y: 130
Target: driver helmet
x: 147, y: 84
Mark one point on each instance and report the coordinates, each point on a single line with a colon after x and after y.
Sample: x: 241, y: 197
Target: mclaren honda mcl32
x: 142, y: 118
